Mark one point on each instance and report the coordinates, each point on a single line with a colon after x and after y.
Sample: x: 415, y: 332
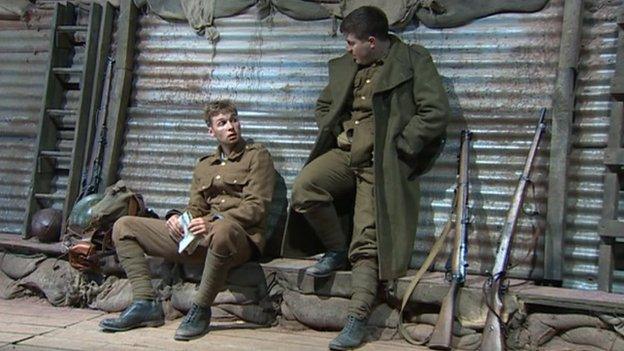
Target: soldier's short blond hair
x: 218, y: 107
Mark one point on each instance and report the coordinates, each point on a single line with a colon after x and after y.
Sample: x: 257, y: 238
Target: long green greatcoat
x: 411, y: 112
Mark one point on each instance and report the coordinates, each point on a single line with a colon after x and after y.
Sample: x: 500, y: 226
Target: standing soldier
x: 382, y: 121
x: 229, y: 199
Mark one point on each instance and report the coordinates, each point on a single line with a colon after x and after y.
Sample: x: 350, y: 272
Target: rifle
x: 492, y: 332
x: 441, y: 337
x: 92, y: 174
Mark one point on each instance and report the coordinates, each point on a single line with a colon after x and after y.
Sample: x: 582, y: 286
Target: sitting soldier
x: 229, y: 198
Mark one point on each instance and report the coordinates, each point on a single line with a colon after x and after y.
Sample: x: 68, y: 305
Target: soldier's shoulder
x: 419, y: 50
x: 255, y: 147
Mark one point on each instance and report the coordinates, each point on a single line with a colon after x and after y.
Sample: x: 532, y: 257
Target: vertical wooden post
x: 562, y: 117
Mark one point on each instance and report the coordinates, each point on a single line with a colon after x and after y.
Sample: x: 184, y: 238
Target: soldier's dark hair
x: 218, y: 107
x: 364, y: 22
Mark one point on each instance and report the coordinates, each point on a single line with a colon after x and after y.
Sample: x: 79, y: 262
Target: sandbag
x: 183, y: 295
x: 301, y: 10
x: 396, y: 10
x: 18, y: 266
x: 251, y: 313
x: 53, y: 278
x: 115, y: 296
x: 13, y: 9
x: 600, y: 338
x: 9, y: 288
x: 539, y: 328
x: 421, y: 332
x: 454, y: 13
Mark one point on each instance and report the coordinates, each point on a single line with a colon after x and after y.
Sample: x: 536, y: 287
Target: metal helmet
x: 46, y: 225
x: 81, y: 213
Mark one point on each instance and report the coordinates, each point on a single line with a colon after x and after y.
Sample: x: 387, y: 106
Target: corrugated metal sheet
x: 275, y: 74
x: 593, y: 106
x: 23, y: 59
x: 499, y: 72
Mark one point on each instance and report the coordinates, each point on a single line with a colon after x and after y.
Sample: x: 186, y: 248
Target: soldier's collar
x: 236, y: 152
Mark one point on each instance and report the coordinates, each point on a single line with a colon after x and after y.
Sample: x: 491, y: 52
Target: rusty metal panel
x: 499, y: 72
x: 23, y: 60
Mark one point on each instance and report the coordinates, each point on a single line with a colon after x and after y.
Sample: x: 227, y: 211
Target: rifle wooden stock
x: 493, y: 331
x: 440, y: 339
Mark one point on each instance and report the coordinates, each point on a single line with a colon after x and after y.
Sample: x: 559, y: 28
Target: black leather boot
x: 351, y: 336
x: 331, y: 261
x: 141, y: 313
x: 194, y: 324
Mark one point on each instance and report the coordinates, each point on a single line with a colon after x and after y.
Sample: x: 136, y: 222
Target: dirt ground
x: 33, y: 324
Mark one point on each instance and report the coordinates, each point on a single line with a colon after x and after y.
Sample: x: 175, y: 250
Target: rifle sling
x: 448, y: 227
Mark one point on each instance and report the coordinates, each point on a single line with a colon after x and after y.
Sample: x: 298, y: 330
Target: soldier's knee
x: 122, y: 227
x: 224, y: 238
x: 301, y: 187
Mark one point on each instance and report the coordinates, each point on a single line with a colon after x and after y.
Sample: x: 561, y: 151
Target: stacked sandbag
x: 247, y: 295
x: 567, y: 330
x: 22, y: 275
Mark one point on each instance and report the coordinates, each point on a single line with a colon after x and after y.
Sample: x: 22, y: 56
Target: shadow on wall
x: 440, y: 183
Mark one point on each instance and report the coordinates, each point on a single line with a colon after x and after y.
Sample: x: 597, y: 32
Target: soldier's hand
x: 199, y: 226
x: 173, y: 224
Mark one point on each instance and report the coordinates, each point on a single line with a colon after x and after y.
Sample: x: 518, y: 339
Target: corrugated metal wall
x: 499, y: 72
x: 23, y: 60
x: 593, y: 106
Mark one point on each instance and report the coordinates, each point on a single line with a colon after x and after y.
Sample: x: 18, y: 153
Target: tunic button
x: 234, y: 181
x: 368, y: 81
x: 357, y: 122
x: 218, y: 177
x: 222, y: 201
x: 363, y: 97
x: 222, y: 163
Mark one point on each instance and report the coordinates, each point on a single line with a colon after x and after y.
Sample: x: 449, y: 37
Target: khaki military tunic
x: 340, y: 171
x: 233, y: 193
x: 237, y: 187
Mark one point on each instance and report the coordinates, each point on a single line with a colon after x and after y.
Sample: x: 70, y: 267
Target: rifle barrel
x: 492, y: 333
x: 441, y: 336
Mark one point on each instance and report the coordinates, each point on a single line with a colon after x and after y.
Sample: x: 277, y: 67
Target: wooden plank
x: 614, y: 158
x: 13, y: 337
x: 46, y: 131
x: 15, y: 243
x: 561, y: 119
x: 617, y: 83
x: 606, y: 264
x: 120, y: 89
x: 27, y: 329
x: 84, y: 105
x: 102, y: 56
x: 610, y: 201
x: 611, y: 228
x: 586, y: 300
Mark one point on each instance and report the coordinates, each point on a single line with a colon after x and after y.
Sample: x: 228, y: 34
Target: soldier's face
x: 361, y: 50
x: 225, y: 128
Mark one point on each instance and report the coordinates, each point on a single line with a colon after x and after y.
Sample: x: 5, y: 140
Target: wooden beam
x: 103, y: 52
x: 562, y: 117
x: 585, y: 300
x: 120, y: 90
x: 611, y: 228
x: 14, y: 243
x: 617, y: 84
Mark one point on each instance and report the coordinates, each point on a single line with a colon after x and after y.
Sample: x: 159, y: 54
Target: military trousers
x: 135, y: 237
x: 329, y: 177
